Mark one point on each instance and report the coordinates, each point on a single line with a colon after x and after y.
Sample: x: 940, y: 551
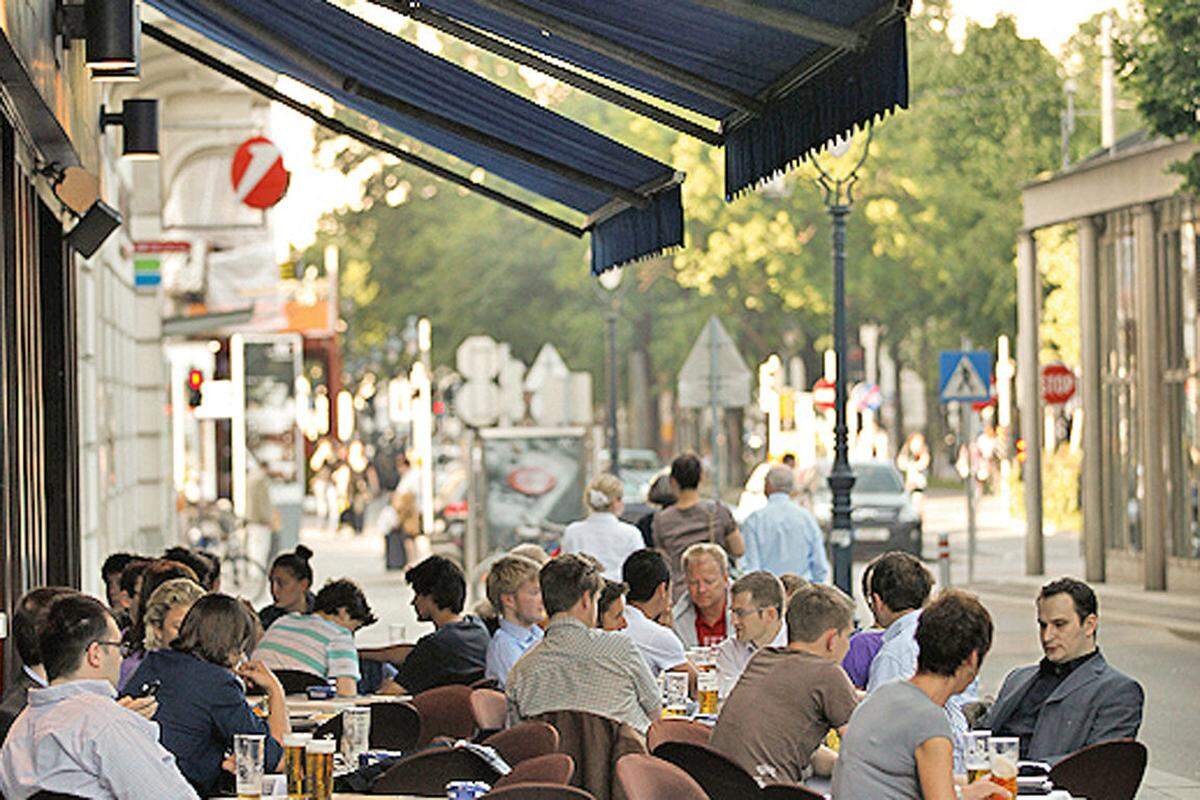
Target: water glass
x: 248, y: 751
x: 356, y: 732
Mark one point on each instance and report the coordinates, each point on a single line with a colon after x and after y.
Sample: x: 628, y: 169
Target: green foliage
x: 1162, y: 61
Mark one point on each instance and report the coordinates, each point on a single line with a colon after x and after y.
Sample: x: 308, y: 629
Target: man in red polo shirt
x: 702, y: 616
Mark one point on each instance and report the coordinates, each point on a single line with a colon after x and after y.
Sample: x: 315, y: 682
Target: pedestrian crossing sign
x: 966, y: 376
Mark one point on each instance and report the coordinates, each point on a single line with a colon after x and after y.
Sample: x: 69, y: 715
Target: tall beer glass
x: 293, y: 764
x: 248, y: 751
x: 318, y: 768
x: 1004, y: 752
x: 977, y: 756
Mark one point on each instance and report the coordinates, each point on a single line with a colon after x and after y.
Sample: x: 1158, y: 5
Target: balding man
x: 783, y: 537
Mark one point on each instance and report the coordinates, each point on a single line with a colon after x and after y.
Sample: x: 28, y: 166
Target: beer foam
x: 1003, y: 767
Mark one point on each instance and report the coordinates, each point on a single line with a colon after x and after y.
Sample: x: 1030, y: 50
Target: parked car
x: 884, y: 515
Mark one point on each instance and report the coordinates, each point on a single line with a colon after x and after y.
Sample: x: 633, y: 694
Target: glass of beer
x: 977, y: 756
x: 675, y: 694
x: 293, y: 763
x: 248, y: 751
x: 318, y: 768
x: 707, y: 682
x: 1004, y: 753
x: 356, y: 733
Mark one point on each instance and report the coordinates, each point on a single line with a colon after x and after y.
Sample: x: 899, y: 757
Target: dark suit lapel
x: 1007, y: 704
x: 1086, y: 673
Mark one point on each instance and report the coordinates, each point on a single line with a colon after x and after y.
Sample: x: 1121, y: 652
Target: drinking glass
x: 293, y: 764
x: 248, y: 751
x: 356, y: 732
x: 318, y: 769
x: 976, y: 755
x: 675, y: 694
x: 1004, y: 753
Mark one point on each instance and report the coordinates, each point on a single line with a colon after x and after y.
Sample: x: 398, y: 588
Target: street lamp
x: 610, y: 281
x: 838, y: 194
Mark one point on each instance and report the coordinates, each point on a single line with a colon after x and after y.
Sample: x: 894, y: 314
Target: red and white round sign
x: 824, y: 394
x: 259, y: 177
x: 1058, y: 383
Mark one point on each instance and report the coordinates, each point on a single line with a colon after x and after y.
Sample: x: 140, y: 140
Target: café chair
x: 789, y: 791
x: 720, y: 777
x: 394, y: 726
x: 645, y: 777
x: 445, y: 711
x: 550, y: 768
x: 490, y: 709
x: 676, y: 730
x: 297, y: 681
x: 427, y: 772
x: 524, y: 741
x: 596, y: 743
x: 1105, y: 771
x: 539, y: 791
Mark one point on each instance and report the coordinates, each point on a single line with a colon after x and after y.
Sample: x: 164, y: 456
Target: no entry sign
x: 824, y: 394
x: 1058, y: 383
x: 258, y: 175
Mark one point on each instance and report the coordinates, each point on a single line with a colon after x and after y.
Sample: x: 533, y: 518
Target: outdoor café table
x: 300, y: 705
x: 350, y: 796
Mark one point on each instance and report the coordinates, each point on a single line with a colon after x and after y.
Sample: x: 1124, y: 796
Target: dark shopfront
x: 39, y: 534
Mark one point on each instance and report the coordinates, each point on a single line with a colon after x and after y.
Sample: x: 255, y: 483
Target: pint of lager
x: 293, y: 764
x: 1005, y: 752
x: 975, y: 752
x: 318, y: 769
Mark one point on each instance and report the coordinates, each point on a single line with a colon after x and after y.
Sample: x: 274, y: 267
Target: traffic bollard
x: 943, y: 555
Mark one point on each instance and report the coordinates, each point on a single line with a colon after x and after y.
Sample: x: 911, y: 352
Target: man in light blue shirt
x: 783, y: 537
x: 73, y: 738
x: 515, y: 594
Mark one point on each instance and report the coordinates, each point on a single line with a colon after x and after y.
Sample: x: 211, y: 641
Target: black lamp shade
x: 124, y: 74
x: 140, y: 128
x: 110, y: 34
x: 94, y: 227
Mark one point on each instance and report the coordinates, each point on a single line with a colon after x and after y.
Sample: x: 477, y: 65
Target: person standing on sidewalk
x: 603, y: 535
x: 782, y: 537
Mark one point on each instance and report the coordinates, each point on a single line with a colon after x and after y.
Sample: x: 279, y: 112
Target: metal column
x: 1091, y: 366
x: 1029, y: 392
x: 1153, y: 520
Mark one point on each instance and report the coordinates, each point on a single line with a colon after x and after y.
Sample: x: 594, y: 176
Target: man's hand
x: 143, y: 706
x: 985, y: 790
x: 230, y: 764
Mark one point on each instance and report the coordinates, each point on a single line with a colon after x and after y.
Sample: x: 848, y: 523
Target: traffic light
x: 195, y: 380
x: 1021, y: 451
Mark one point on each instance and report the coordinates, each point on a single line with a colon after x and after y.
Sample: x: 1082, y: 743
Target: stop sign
x: 1058, y: 383
x: 258, y: 175
x: 824, y: 395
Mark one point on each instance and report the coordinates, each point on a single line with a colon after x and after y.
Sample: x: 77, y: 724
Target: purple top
x: 863, y: 647
x: 132, y: 661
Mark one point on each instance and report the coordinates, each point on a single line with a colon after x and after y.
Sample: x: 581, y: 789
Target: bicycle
x: 213, y: 526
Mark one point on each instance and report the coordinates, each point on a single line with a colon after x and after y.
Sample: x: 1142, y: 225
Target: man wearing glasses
x: 73, y: 738
x: 757, y: 610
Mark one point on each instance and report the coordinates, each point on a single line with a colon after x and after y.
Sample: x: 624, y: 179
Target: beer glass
x: 318, y: 769
x: 976, y: 755
x: 1004, y: 753
x: 293, y: 764
x: 248, y: 751
x: 675, y: 694
x: 356, y: 733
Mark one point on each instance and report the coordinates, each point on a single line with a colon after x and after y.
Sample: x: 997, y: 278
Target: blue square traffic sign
x: 966, y: 376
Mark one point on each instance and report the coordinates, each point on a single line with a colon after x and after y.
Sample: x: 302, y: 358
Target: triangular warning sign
x: 965, y: 382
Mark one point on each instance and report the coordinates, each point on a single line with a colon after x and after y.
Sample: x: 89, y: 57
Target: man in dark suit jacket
x: 28, y: 619
x: 1072, y: 698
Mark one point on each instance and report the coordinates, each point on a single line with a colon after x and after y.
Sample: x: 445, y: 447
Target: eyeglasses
x: 122, y: 646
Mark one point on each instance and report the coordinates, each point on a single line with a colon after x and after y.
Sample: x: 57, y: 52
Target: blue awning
x: 782, y: 76
x: 633, y: 201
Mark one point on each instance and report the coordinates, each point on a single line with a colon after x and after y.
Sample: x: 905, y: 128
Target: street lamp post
x: 838, y: 193
x: 611, y: 283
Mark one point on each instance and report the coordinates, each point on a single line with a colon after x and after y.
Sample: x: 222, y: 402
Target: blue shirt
x: 783, y: 537
x: 509, y: 643
x: 72, y: 738
x: 897, y: 660
x: 200, y: 708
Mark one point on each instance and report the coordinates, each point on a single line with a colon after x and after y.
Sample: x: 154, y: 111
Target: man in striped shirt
x: 321, y: 643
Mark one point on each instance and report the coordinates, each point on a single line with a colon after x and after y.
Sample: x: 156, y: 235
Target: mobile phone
x: 149, y: 689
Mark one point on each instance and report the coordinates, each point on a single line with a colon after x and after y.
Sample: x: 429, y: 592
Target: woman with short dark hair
x: 201, y: 702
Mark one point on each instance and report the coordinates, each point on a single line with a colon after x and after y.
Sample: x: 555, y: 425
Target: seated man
x: 758, y: 622
x: 577, y: 666
x: 649, y: 580
x: 456, y: 651
x: 790, y: 697
x: 702, y: 616
x: 516, y: 596
x: 28, y: 621
x: 1073, y: 698
x: 73, y: 738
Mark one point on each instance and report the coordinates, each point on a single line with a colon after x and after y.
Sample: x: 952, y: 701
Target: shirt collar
x: 902, y: 626
x: 635, y: 612
x: 38, y: 680
x: 602, y: 516
x: 779, y: 497
x: 517, y: 632
x: 61, y: 691
x: 565, y: 621
x: 1048, y: 667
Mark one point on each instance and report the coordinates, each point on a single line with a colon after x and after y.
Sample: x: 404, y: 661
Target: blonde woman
x: 168, y: 605
x: 602, y: 535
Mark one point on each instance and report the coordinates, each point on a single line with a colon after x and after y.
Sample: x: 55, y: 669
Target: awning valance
x: 633, y: 202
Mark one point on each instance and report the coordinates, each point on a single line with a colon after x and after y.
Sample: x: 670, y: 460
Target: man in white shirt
x: 73, y: 738
x: 757, y: 609
x: 649, y: 579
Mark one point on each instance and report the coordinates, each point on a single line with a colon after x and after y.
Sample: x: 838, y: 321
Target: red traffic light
x: 195, y: 379
x: 439, y: 408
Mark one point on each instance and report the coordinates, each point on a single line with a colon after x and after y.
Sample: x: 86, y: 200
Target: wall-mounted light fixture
x: 139, y: 127
x: 79, y: 192
x: 124, y: 74
x: 107, y: 27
